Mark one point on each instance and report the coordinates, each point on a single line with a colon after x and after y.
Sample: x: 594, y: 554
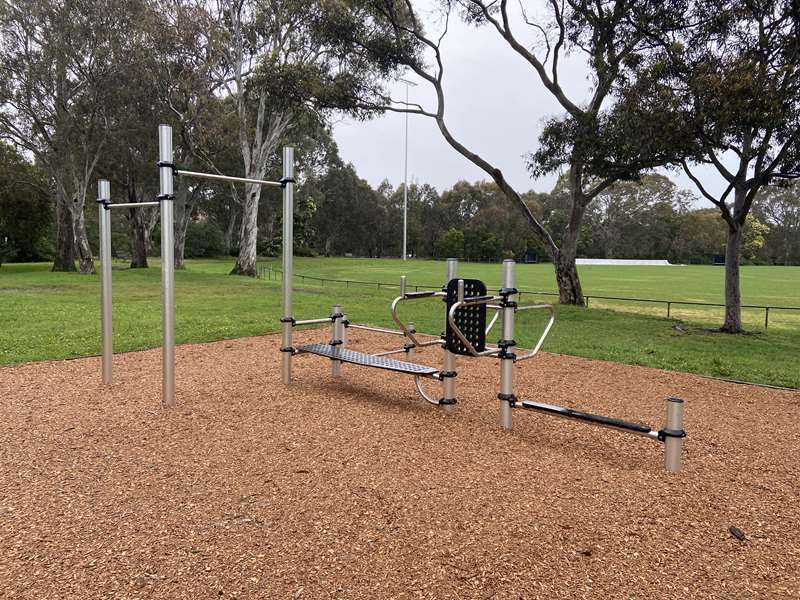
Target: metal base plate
x: 367, y: 360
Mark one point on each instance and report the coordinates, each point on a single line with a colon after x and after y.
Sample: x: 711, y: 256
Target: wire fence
x: 270, y: 273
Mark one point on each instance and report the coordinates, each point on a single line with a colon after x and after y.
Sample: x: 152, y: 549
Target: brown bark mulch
x: 355, y: 488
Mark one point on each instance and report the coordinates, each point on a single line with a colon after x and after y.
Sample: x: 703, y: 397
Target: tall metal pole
x: 506, y: 355
x: 167, y: 265
x: 405, y: 188
x: 104, y: 220
x: 405, y: 178
x: 288, y: 249
x: 448, y: 373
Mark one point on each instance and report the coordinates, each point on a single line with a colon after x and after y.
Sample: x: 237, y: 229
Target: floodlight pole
x: 405, y: 179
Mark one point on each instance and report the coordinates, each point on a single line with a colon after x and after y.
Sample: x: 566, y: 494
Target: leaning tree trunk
x: 569, y: 284
x: 733, y: 296
x: 64, y: 259
x: 84, y: 250
x: 183, y: 214
x: 248, y: 238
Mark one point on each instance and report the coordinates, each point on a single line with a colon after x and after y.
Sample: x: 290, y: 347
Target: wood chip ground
x: 355, y: 488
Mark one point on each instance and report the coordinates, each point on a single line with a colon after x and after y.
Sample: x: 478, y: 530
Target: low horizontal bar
x: 312, y: 321
x: 618, y: 424
x: 388, y: 352
x: 133, y: 204
x: 227, y: 178
x: 375, y: 329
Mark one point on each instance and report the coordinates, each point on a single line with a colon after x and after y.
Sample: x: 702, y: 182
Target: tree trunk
x: 64, y: 260
x: 569, y: 284
x: 137, y: 232
x: 138, y: 238
x: 84, y: 250
x: 246, y: 261
x: 733, y: 297
x: 183, y: 214
x: 229, y: 229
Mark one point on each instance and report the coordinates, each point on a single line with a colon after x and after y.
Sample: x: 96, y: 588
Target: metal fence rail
x: 274, y: 274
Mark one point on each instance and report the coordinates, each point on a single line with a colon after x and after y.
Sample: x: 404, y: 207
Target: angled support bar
x: 546, y: 331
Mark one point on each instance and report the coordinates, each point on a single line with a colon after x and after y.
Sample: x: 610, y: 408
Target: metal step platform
x: 367, y: 360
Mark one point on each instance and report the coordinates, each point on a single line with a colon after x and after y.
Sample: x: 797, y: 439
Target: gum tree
x: 732, y: 80
x: 597, y: 141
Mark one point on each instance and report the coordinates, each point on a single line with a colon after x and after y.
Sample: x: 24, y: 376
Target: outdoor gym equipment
x: 167, y: 170
x: 465, y: 331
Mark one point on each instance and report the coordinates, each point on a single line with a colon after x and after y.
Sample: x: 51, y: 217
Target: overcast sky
x: 494, y: 104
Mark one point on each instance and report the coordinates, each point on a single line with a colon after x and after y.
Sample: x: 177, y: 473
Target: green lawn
x: 47, y: 315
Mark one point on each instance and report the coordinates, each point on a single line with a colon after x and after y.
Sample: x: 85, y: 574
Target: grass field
x: 47, y: 315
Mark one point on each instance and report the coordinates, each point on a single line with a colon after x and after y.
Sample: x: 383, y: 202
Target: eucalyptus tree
x: 732, y: 80
x: 59, y: 61
x: 597, y: 141
x: 277, y: 67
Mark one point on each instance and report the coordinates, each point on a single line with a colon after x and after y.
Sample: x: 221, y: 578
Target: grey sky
x: 495, y: 105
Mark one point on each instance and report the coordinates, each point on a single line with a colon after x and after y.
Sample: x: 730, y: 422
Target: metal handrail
x: 406, y: 331
x: 546, y: 331
x: 451, y: 321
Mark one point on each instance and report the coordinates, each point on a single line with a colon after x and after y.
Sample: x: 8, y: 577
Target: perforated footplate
x: 367, y: 360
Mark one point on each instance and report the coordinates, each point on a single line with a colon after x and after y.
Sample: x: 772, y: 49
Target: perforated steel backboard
x: 471, y: 320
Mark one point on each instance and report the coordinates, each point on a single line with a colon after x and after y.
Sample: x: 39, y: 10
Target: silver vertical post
x: 167, y: 265
x: 506, y: 357
x: 104, y: 220
x: 336, y: 337
x: 288, y: 249
x: 403, y: 286
x: 449, y: 362
x: 673, y: 444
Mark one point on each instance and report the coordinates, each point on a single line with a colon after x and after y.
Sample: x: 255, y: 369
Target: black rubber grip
x: 588, y: 417
x: 420, y: 294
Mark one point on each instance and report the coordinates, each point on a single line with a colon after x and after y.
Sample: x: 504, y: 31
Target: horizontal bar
x: 375, y: 329
x: 312, y: 321
x: 133, y: 204
x: 388, y: 352
x: 227, y: 178
x: 420, y: 294
x: 618, y: 424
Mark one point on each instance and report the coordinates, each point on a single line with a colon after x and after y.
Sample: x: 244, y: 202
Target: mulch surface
x: 356, y: 488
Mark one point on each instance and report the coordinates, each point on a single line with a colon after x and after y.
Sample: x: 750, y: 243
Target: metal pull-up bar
x: 197, y: 175
x: 167, y: 171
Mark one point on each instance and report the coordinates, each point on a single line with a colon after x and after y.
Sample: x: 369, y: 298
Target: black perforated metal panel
x: 471, y: 320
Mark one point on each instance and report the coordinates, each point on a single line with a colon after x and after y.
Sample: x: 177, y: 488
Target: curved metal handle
x: 546, y: 331
x: 451, y: 321
x: 406, y: 331
x: 418, y: 384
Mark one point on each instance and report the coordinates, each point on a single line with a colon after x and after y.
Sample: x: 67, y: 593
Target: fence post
x: 766, y: 317
x: 669, y: 305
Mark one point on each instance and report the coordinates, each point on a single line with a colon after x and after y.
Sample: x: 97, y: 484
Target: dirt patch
x: 355, y: 488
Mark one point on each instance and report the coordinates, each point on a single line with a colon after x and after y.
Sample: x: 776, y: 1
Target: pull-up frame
x: 167, y: 170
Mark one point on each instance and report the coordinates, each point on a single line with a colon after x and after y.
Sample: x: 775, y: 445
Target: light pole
x: 405, y: 179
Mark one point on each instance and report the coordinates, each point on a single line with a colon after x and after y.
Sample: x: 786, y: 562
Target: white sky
x: 495, y: 104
